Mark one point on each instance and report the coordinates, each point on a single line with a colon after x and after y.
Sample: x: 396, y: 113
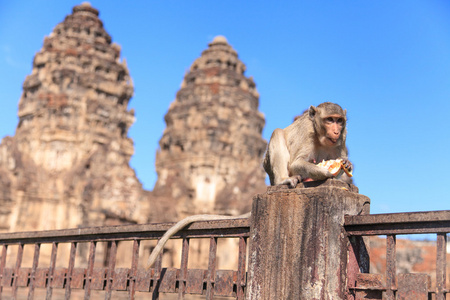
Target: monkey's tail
x: 183, y: 223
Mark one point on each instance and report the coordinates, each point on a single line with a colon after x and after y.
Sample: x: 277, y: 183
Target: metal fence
x: 392, y: 285
x: 209, y: 282
x: 212, y: 282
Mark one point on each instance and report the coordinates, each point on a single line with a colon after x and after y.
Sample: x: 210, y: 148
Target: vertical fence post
x: 90, y: 269
x: 134, y: 267
x: 37, y: 248
x: 183, y: 269
x: 2, y: 267
x: 391, y: 269
x: 51, y: 271
x: 111, y: 268
x: 441, y: 265
x: 156, y: 279
x: 298, y: 247
x: 211, y: 269
x: 16, y: 270
x: 240, y: 282
x: 73, y: 251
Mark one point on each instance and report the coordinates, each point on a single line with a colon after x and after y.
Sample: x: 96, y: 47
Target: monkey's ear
x: 312, y: 111
x: 345, y: 112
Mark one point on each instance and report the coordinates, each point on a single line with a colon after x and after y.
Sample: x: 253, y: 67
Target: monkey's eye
x: 340, y: 121
x: 329, y: 120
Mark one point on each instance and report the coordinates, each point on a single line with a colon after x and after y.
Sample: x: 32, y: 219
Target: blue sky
x: 386, y: 62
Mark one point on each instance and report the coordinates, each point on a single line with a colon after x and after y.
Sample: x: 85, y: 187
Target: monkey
x: 180, y: 225
x: 318, y: 134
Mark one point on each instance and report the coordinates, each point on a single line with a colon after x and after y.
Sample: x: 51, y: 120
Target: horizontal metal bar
x: 395, y: 229
x: 382, y: 289
x: 201, y: 229
x: 409, y: 217
x: 398, y: 223
x: 225, y: 282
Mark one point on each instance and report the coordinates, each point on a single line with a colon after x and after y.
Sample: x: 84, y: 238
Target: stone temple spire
x: 211, y: 151
x: 68, y: 163
x: 76, y: 95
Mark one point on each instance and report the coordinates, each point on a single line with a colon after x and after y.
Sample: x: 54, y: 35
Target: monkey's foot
x: 292, y: 181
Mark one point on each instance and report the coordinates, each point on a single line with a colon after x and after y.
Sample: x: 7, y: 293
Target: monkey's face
x: 332, y: 126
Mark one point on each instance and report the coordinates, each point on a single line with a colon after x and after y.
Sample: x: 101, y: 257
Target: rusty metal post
x: 240, y: 282
x: 134, y: 267
x: 51, y: 271
x: 16, y: 270
x: 156, y: 279
x: 441, y: 265
x: 391, y: 268
x: 298, y: 247
x: 210, y: 280
x: 73, y: 251
x: 89, y: 271
x: 37, y: 248
x: 111, y: 267
x: 2, y: 267
x: 183, y: 270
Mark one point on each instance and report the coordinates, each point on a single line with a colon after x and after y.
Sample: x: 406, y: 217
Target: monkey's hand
x: 347, y: 164
x: 292, y: 181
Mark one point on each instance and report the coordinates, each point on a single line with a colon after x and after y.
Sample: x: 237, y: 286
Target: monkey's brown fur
x: 318, y: 134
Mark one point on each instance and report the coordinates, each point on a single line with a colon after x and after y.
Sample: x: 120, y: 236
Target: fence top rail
x: 399, y: 223
x: 407, y: 217
x: 220, y: 228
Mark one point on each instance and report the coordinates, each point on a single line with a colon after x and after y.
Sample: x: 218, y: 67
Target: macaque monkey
x: 318, y: 134
x: 180, y: 225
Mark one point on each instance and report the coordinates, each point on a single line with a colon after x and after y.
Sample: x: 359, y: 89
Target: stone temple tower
x: 68, y: 163
x: 210, y: 153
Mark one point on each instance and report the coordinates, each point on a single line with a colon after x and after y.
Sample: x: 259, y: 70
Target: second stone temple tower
x: 210, y: 153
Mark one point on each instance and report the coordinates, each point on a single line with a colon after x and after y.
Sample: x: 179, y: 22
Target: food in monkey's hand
x: 335, y: 167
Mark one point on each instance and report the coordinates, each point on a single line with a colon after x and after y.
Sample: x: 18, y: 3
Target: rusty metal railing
x: 397, y: 286
x: 209, y: 282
